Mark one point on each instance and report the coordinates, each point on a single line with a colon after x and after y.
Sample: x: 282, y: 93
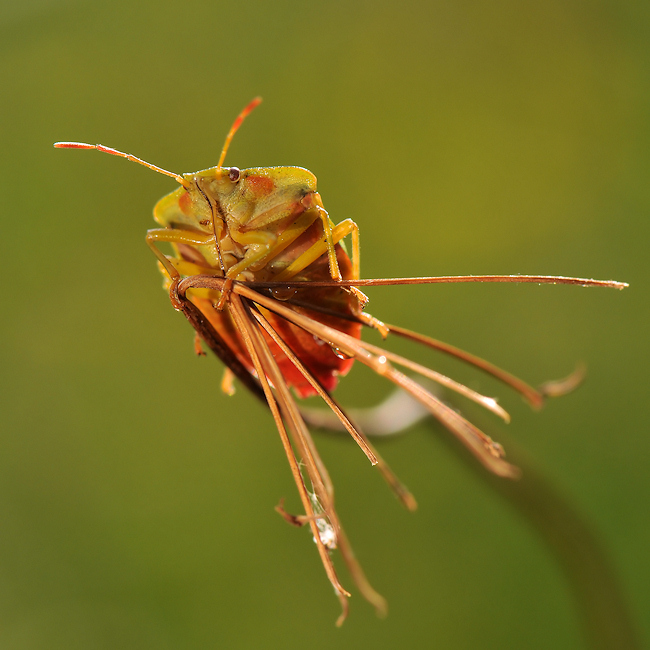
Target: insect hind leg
x: 323, y: 246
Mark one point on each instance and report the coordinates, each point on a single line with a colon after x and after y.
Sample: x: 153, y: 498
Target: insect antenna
x: 233, y: 129
x: 121, y: 154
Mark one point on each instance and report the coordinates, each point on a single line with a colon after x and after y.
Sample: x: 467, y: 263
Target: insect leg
x: 320, y: 247
x: 335, y: 272
x: 287, y: 237
x: 198, y: 350
x: 176, y: 237
x: 264, y: 239
x: 228, y: 382
x: 350, y: 227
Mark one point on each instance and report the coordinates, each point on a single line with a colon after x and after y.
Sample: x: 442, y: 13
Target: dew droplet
x: 382, y: 365
x: 283, y: 293
x: 340, y: 354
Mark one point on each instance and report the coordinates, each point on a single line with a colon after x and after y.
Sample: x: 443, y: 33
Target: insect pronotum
x: 259, y: 270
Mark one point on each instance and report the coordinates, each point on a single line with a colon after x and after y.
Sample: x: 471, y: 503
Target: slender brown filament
x: 247, y: 306
x: 400, y: 490
x: 447, y: 279
x: 486, y: 451
x: 266, y: 369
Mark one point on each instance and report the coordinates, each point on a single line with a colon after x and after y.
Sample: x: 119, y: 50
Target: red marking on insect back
x: 260, y: 185
x: 185, y: 203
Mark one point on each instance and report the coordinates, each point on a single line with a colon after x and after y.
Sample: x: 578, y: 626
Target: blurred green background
x: 136, y: 501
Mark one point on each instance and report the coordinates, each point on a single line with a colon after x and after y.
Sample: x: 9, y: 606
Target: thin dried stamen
x: 446, y: 279
x: 473, y: 438
x: 487, y: 402
x: 400, y: 490
x: 489, y: 453
x: 534, y: 397
x: 561, y: 387
x: 318, y: 475
x: 264, y: 363
x: 316, y: 386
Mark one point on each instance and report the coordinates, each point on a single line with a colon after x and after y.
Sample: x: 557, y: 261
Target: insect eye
x: 234, y: 174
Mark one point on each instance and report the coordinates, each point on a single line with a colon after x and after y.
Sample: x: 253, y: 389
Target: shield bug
x: 260, y: 272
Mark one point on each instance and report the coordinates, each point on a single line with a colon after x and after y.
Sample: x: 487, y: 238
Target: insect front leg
x: 175, y: 237
x: 264, y: 241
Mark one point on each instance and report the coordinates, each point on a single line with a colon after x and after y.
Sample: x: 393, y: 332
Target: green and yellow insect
x: 259, y: 270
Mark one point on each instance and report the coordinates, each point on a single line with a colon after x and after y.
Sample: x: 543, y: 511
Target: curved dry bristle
x: 560, y: 387
x: 400, y: 490
x: 534, y: 397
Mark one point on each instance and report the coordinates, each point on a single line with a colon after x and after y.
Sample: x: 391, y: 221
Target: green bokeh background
x: 136, y: 501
